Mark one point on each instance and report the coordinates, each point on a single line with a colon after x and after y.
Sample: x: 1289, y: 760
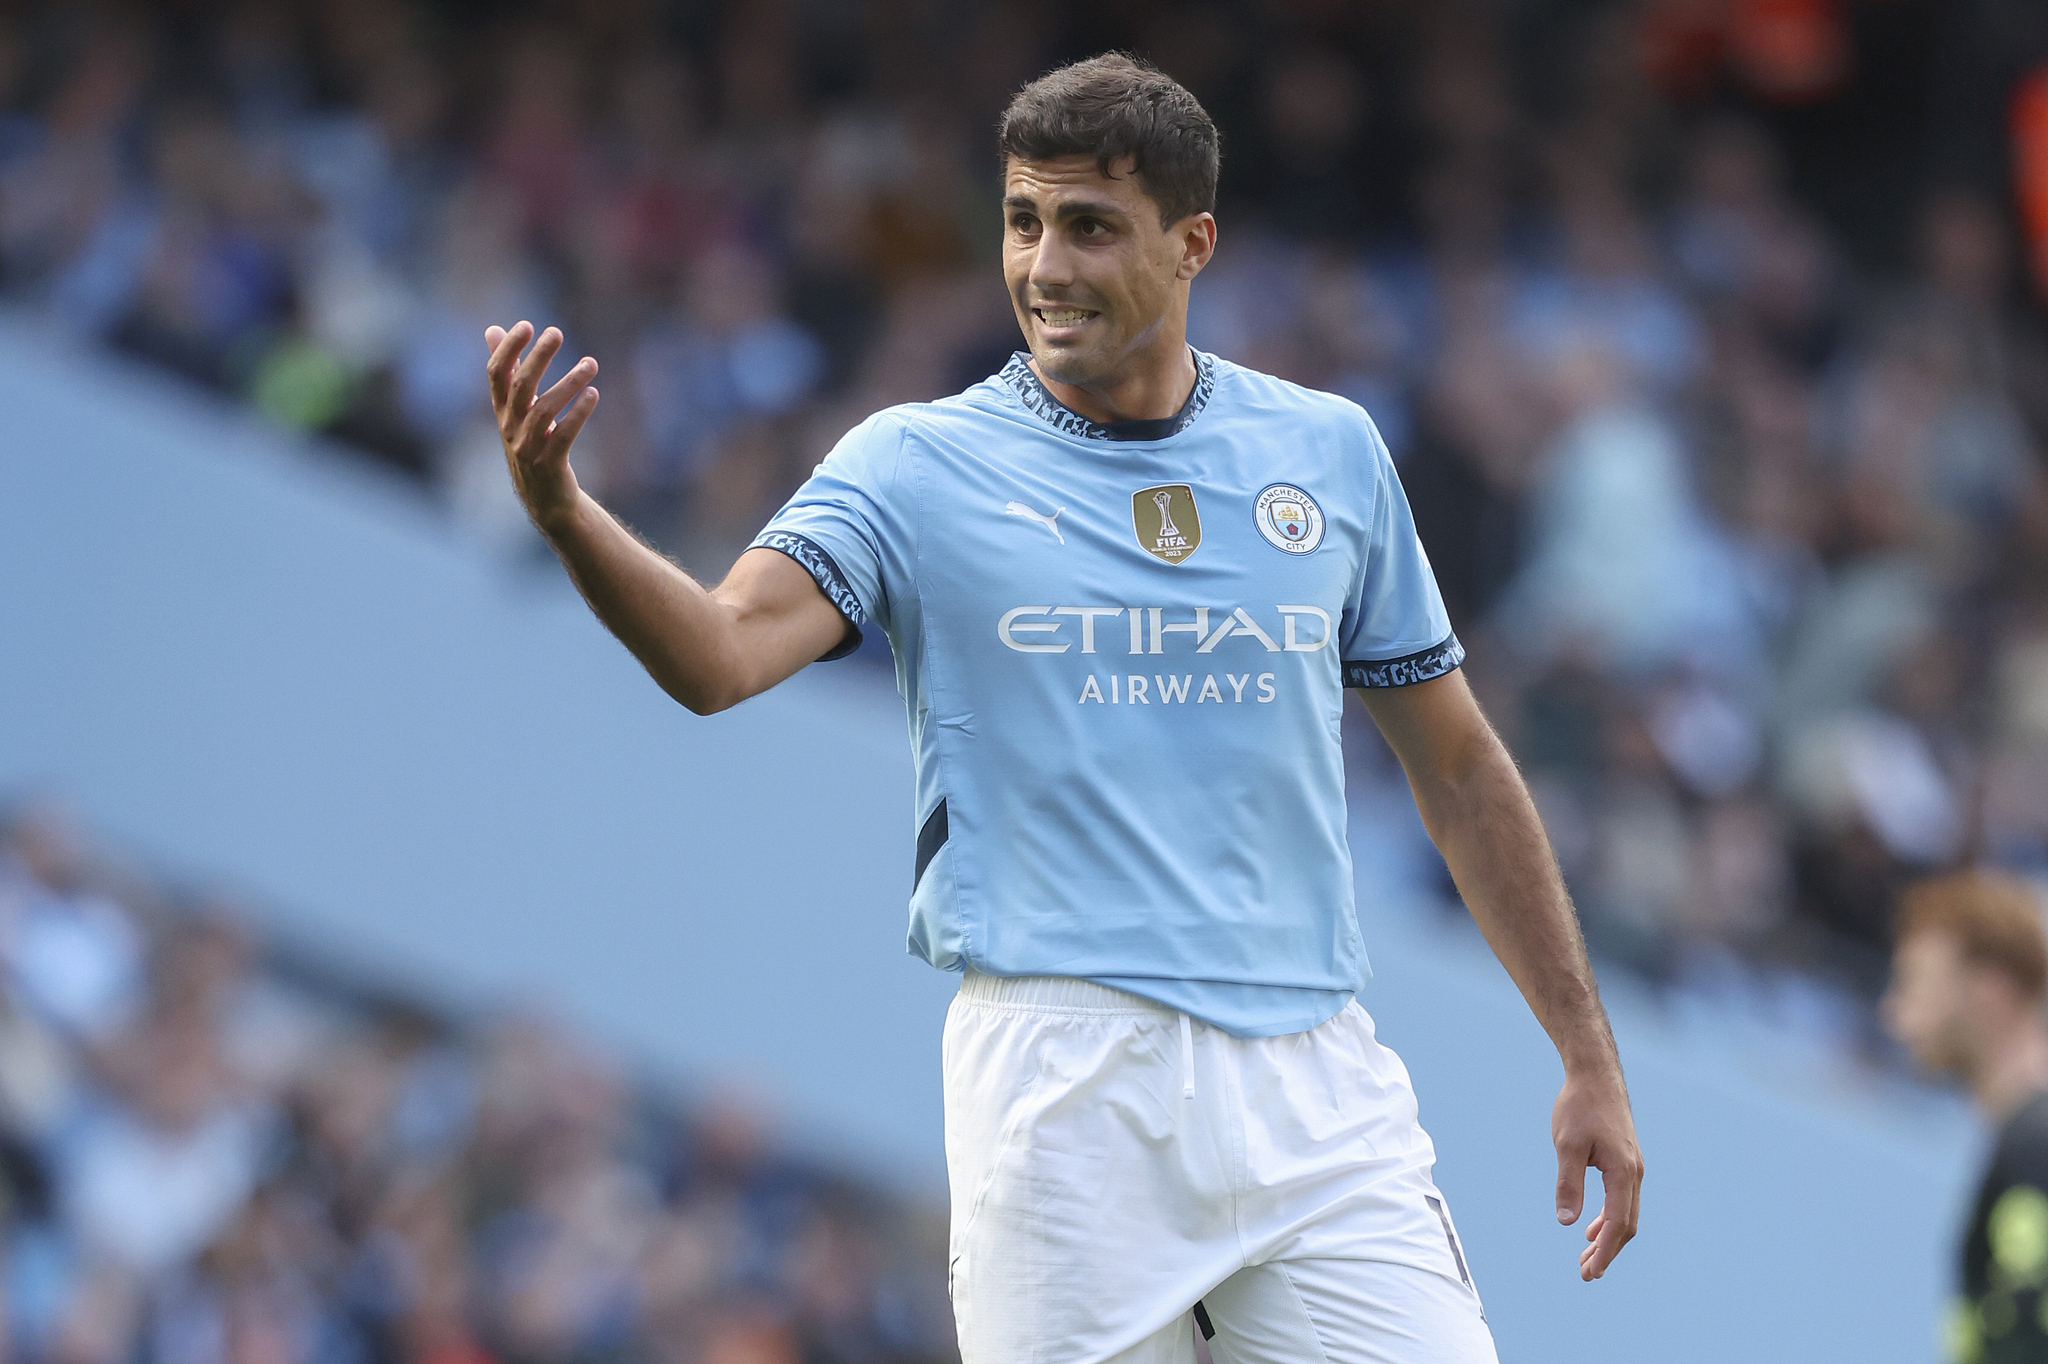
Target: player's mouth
x: 1059, y: 322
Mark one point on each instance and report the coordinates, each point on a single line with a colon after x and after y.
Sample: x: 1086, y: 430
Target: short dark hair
x: 1994, y: 919
x: 1113, y: 106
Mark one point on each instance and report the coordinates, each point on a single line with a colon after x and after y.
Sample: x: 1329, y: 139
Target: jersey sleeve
x: 1396, y: 631
x: 848, y: 529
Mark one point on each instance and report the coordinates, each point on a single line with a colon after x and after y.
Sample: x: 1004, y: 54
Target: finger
x: 505, y: 346
x: 563, y: 433
x: 1593, y: 1264
x: 1571, y: 1183
x: 1617, y: 1225
x: 504, y: 351
x: 564, y: 388
x: 526, y: 378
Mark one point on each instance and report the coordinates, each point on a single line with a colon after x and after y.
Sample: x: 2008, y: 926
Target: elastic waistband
x: 1055, y: 995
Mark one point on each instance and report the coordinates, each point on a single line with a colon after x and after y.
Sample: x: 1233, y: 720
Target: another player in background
x: 1969, y: 974
x: 1126, y: 584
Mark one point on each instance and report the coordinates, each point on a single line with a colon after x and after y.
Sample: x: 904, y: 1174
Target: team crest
x: 1289, y: 519
x: 1166, y: 522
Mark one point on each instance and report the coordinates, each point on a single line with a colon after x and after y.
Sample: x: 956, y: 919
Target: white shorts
x: 1114, y: 1163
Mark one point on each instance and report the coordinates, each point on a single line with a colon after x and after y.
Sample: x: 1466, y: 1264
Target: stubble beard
x: 1075, y: 368
x: 1097, y: 365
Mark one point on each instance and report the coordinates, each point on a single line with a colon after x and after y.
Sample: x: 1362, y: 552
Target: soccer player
x: 1126, y: 584
x: 1969, y: 973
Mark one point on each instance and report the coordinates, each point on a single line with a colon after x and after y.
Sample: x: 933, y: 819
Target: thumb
x: 1571, y: 1184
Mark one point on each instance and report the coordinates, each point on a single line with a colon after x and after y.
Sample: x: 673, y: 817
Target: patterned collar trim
x: 1034, y: 395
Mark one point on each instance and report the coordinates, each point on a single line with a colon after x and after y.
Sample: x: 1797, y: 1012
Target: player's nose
x: 1052, y: 266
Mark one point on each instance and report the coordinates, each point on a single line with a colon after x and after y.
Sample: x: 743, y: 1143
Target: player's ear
x: 1197, y: 233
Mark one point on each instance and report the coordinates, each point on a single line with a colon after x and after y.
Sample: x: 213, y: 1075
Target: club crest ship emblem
x: 1289, y: 519
x: 1166, y: 522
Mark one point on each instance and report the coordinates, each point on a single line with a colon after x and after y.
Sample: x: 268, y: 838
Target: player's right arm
x: 709, y: 649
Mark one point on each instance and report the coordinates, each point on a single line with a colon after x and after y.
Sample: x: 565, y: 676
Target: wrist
x: 1591, y: 1060
x: 561, y: 517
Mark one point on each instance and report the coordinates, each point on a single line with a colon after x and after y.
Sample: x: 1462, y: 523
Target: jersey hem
x: 1270, y: 1027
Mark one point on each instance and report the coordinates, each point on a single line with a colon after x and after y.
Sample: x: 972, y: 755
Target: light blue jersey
x: 1123, y: 651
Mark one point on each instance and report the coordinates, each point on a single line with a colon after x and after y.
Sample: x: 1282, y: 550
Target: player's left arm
x: 1478, y: 811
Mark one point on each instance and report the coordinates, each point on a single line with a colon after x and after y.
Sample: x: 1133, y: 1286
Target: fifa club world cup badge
x: 1289, y: 519
x: 1165, y: 519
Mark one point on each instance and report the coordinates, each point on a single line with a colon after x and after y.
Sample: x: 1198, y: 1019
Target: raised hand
x: 1591, y: 1126
x: 536, y: 430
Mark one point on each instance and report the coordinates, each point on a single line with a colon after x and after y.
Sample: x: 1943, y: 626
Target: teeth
x: 1064, y: 317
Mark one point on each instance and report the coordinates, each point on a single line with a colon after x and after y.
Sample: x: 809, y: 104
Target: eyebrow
x: 1078, y: 209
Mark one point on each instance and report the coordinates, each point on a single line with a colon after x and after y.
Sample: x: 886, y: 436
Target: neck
x: 1151, y: 388
x: 2014, y: 1070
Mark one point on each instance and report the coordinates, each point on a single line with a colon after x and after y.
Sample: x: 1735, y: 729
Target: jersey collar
x: 1034, y: 395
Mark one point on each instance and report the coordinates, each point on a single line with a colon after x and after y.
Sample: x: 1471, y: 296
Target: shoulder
x: 885, y: 428
x: 1256, y: 395
x: 889, y: 449
x: 871, y: 451
x: 978, y: 408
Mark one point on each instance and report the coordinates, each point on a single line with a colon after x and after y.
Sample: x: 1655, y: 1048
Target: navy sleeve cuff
x: 1434, y: 661
x: 812, y: 558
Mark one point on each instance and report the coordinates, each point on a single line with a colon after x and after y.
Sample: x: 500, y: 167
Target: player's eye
x: 1091, y: 227
x: 1024, y: 223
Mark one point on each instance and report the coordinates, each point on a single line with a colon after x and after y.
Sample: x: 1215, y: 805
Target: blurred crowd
x: 1739, y: 504
x: 215, y: 1153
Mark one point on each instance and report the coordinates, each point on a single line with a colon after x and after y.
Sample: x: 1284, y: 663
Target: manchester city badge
x: 1289, y: 519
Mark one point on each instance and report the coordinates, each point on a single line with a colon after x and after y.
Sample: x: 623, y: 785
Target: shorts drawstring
x: 1187, y: 1057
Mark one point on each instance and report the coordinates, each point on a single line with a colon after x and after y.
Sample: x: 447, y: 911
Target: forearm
x: 1479, y: 813
x: 707, y: 649
x: 681, y: 633
x: 1476, y: 808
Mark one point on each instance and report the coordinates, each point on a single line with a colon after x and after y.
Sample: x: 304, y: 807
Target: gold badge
x: 1166, y: 521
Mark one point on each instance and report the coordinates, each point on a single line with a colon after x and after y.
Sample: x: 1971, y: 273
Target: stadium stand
x: 1708, y: 338
x: 1722, y: 417
x: 215, y: 1147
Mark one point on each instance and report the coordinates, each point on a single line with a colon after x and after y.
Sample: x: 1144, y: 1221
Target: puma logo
x: 1049, y: 522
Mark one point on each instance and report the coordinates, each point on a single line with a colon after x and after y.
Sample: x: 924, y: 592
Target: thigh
x: 1090, y: 1203
x: 1340, y: 1167
x: 1332, y: 1311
